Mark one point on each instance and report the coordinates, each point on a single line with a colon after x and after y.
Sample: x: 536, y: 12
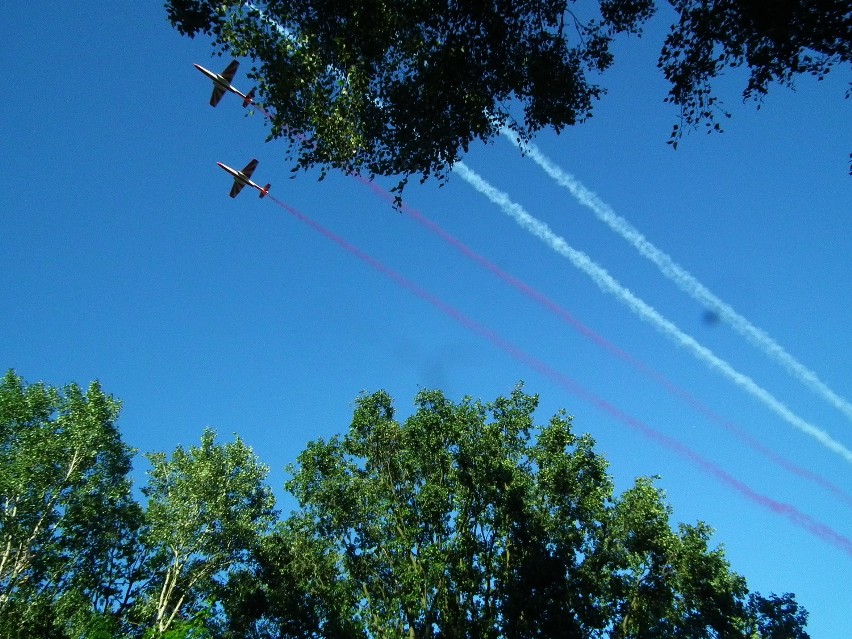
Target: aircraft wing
x: 238, y: 186
x: 218, y: 92
x: 250, y: 167
x: 231, y: 71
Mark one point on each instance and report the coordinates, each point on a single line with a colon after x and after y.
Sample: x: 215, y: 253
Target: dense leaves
x: 79, y: 556
x: 403, y: 88
x: 776, y: 40
x: 468, y: 520
x: 464, y: 520
x: 207, y: 507
x: 65, y: 509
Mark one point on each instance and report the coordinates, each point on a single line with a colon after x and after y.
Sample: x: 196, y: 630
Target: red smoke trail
x: 603, y: 343
x: 779, y: 508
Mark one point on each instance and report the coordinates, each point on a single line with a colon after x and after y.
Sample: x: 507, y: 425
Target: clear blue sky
x: 124, y: 260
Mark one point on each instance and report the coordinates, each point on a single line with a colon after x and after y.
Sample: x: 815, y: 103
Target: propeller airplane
x: 243, y: 178
x: 222, y: 83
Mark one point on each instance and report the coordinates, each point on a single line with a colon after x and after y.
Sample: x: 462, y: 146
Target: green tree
x: 67, y: 520
x: 207, y: 507
x: 403, y: 88
x: 468, y: 520
x: 465, y: 520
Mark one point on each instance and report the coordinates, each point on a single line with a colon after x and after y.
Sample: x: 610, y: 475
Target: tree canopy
x: 403, y: 88
x: 467, y: 519
x: 79, y: 556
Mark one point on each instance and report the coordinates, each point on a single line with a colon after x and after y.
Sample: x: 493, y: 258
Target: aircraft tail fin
x: 249, y: 98
x: 265, y: 190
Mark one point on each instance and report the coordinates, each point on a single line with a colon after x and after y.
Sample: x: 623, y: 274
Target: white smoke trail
x: 684, y: 280
x: 609, y: 284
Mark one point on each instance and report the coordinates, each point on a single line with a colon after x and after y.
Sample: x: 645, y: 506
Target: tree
x: 403, y: 88
x: 67, y: 519
x: 79, y: 557
x: 207, y: 507
x: 467, y: 520
x: 776, y: 40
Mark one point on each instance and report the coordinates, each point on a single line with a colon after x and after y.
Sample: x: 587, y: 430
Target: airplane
x: 222, y: 83
x: 243, y: 178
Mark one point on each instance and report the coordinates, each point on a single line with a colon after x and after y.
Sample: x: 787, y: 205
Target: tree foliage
x: 464, y: 520
x: 207, y: 507
x: 79, y: 557
x: 398, y: 88
x: 776, y: 40
x: 403, y: 88
x: 65, y: 506
x: 467, y: 520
